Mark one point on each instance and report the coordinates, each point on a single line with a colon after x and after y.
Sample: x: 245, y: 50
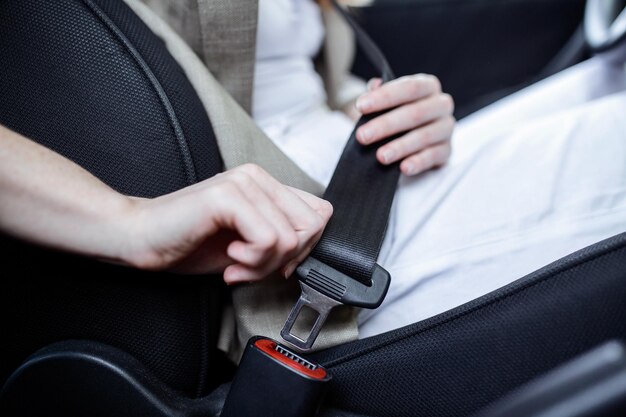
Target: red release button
x: 269, y: 347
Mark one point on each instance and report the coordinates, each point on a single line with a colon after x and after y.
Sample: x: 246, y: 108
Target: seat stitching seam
x: 190, y: 172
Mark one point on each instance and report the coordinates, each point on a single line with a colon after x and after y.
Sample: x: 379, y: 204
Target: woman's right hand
x: 242, y: 222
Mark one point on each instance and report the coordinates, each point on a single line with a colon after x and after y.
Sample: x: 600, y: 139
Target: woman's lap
x: 508, y: 202
x: 532, y: 178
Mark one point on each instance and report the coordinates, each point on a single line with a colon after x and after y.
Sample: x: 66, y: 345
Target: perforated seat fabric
x: 99, y: 106
x: 456, y: 363
x: 89, y: 80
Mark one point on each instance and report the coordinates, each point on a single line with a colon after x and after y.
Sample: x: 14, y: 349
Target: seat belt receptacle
x: 273, y: 381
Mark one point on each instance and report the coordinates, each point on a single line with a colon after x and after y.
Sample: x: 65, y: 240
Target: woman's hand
x: 242, y: 222
x: 420, y: 111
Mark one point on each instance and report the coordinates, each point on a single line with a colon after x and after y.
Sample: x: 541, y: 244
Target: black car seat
x: 89, y: 80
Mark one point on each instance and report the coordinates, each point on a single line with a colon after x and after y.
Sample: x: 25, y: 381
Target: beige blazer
x: 214, y: 42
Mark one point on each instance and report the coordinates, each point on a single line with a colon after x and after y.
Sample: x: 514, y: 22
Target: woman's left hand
x: 420, y: 111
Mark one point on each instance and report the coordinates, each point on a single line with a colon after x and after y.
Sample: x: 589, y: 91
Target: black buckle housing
x: 273, y: 381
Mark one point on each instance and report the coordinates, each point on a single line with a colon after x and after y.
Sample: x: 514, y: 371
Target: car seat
x: 88, y: 79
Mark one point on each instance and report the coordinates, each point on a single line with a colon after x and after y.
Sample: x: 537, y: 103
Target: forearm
x: 49, y: 200
x: 242, y: 222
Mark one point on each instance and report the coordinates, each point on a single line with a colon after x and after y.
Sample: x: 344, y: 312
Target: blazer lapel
x: 259, y: 308
x: 228, y: 33
x: 239, y: 139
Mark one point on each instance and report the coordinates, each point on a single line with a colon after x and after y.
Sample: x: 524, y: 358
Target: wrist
x: 138, y: 248
x: 124, y: 225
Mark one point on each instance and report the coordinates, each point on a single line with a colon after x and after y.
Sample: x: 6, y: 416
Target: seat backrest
x: 89, y: 80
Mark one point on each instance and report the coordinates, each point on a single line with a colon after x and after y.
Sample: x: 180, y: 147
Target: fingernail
x: 233, y: 278
x: 363, y: 104
x: 388, y: 155
x: 371, y: 84
x: 410, y: 169
x: 284, y: 271
x: 231, y: 281
x: 364, y: 135
x: 234, y: 274
x: 289, y: 270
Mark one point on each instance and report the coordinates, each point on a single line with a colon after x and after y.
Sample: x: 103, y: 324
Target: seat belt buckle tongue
x: 316, y: 301
x: 323, y: 288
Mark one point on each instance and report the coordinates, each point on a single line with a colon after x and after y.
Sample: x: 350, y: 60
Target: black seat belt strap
x: 342, y: 268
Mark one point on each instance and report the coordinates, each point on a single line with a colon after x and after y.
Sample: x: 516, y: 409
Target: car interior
x: 83, y: 337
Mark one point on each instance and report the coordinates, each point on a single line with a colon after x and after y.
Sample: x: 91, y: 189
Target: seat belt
x: 342, y: 268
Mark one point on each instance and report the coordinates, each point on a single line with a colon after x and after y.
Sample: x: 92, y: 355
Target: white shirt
x: 531, y: 179
x: 289, y: 35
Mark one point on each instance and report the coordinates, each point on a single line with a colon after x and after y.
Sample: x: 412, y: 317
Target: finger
x: 252, y: 184
x: 238, y: 273
x: 302, y: 216
x: 321, y: 206
x: 291, y: 266
x: 307, y: 214
x: 397, y: 92
x: 210, y: 257
x: 309, y: 234
x: 251, y: 221
x: 374, y: 83
x: 286, y: 239
x: 432, y: 157
x: 416, y: 140
x: 237, y: 213
x: 308, y: 246
x: 244, y: 198
x: 243, y: 271
x: 405, y: 118
x: 325, y: 210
